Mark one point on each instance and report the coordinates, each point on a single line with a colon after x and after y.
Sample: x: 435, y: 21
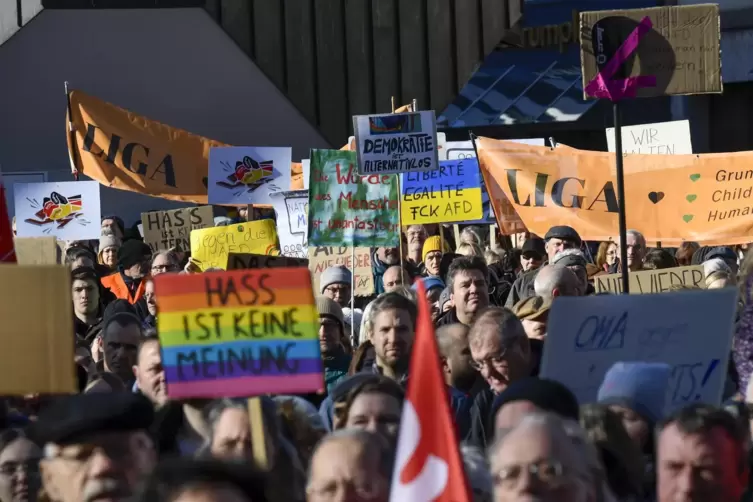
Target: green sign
x: 347, y: 209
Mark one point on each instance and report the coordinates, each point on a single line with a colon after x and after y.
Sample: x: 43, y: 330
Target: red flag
x: 428, y: 465
x: 7, y: 249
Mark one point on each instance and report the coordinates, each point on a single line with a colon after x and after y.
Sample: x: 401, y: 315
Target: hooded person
x: 331, y: 333
x: 134, y: 258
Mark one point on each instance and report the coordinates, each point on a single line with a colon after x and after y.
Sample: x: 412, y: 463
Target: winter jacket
x: 335, y: 369
x: 522, y: 288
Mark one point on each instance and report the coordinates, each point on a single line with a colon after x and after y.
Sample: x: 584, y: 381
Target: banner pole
x: 352, y: 296
x: 400, y: 226
x: 71, y: 133
x: 621, y: 195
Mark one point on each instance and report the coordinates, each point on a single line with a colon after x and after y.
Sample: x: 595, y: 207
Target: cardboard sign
x: 292, y: 212
x: 662, y: 138
x: 66, y: 210
x: 651, y: 281
x: 165, y: 230
x: 210, y: 247
x: 321, y: 258
x: 668, y: 50
x: 396, y: 142
x: 670, y: 198
x: 589, y: 334
x: 248, y: 175
x: 347, y: 209
x: 37, y: 251
x: 448, y: 194
x: 247, y: 261
x: 238, y: 334
x: 41, y: 360
x: 306, y: 171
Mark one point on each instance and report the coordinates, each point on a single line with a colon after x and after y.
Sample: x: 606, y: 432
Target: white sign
x: 306, y: 168
x: 396, y: 143
x: 689, y: 330
x: 247, y: 175
x: 67, y: 210
x: 292, y: 209
x: 662, y: 138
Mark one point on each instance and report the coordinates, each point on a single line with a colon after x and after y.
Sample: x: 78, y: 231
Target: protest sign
x: 66, y: 210
x: 662, y: 138
x: 239, y: 333
x: 210, y: 247
x: 589, y: 334
x: 670, y: 198
x: 292, y: 210
x: 248, y: 175
x: 247, y: 261
x: 38, y: 306
x: 448, y: 194
x: 165, y: 230
x: 306, y: 171
x: 396, y: 142
x: 347, y: 209
x: 123, y: 150
x: 37, y: 250
x: 651, y: 281
x: 321, y: 258
x: 663, y: 51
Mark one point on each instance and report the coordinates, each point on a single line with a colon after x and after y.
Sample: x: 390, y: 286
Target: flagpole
x: 71, y: 133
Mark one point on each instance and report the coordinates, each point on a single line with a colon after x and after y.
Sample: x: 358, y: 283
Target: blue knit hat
x: 429, y: 282
x: 640, y: 386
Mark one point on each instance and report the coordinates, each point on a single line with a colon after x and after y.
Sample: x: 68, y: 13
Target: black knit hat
x: 132, y: 252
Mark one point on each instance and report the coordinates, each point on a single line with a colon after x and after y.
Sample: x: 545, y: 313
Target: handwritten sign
x: 589, y: 334
x: 347, y: 209
x: 662, y: 138
x: 396, y: 143
x: 292, y: 210
x: 321, y: 258
x: 450, y: 193
x: 165, y: 230
x: 40, y: 360
x: 651, y: 281
x: 238, y: 334
x: 246, y: 261
x: 210, y: 247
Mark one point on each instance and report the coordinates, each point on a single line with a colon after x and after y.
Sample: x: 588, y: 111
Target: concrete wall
x: 9, y: 16
x: 172, y: 65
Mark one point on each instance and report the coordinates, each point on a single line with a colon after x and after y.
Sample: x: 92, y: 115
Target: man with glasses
x: 134, y: 259
x: 501, y: 354
x: 331, y: 338
x: 557, y: 239
x: 416, y: 236
x: 164, y: 262
x: 96, y: 446
x: 336, y: 283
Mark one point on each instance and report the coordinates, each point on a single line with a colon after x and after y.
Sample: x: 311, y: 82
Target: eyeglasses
x: 547, y: 472
x: 163, y: 268
x: 10, y: 469
x: 494, y: 360
x: 338, y: 290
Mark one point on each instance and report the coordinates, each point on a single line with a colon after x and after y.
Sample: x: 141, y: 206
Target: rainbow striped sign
x: 239, y: 333
x: 450, y: 193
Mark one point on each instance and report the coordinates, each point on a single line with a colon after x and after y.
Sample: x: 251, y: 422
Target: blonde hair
x: 492, y: 257
x: 719, y: 275
x: 468, y: 249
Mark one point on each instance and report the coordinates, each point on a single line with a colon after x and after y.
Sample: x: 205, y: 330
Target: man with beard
x: 381, y: 260
x: 96, y: 446
x: 149, y: 372
x: 501, y: 354
x: 455, y: 354
x: 468, y: 280
x: 121, y: 336
x: 134, y: 259
x: 87, y: 308
x: 393, y: 330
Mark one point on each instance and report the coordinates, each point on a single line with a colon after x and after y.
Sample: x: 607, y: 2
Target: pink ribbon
x: 603, y: 86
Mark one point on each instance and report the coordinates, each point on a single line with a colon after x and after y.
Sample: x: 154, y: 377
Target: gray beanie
x: 338, y: 274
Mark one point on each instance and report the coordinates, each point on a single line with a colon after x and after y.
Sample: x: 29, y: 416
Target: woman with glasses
x: 19, y: 467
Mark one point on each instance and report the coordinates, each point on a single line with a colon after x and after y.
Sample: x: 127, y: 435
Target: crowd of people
x: 521, y: 437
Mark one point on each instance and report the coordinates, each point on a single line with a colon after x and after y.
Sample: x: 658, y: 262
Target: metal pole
x: 621, y: 196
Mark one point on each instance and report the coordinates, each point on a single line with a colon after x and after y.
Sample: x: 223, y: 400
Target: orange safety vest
x: 117, y: 285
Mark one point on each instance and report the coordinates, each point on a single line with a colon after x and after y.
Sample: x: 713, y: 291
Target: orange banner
x: 669, y: 198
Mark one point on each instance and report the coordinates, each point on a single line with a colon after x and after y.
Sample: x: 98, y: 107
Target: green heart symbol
x: 695, y: 177
x: 691, y: 197
x: 687, y: 218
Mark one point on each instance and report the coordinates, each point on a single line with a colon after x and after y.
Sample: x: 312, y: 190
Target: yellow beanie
x: 433, y: 243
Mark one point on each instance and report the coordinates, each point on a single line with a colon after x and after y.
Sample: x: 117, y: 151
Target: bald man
x: 391, y: 278
x: 455, y: 353
x: 556, y: 280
